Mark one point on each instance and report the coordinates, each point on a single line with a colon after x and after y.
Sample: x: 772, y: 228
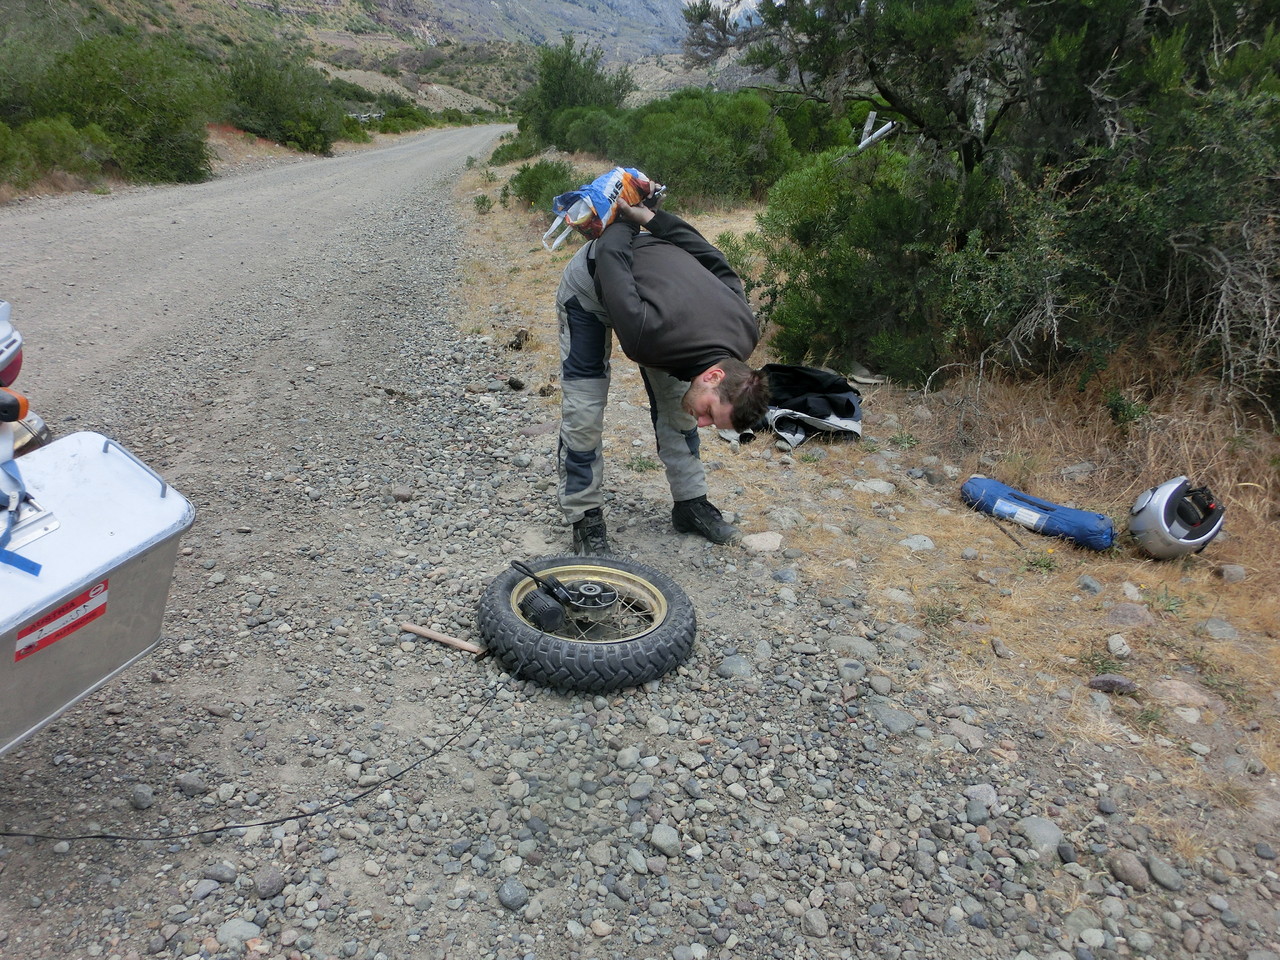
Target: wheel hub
x: 592, y: 599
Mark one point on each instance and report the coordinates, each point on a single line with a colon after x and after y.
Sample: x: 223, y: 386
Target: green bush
x: 353, y: 131
x: 811, y: 126
x: 56, y: 145
x: 583, y: 129
x: 275, y: 94
x: 351, y: 93
x: 727, y: 147
x: 512, y: 148
x: 851, y: 249
x: 17, y: 166
x: 537, y: 184
x: 407, y: 117
x: 569, y: 76
x: 149, y: 95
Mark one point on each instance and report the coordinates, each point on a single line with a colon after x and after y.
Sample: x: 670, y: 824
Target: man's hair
x: 747, y: 390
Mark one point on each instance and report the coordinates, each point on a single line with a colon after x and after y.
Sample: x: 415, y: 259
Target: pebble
x: 512, y: 894
x: 268, y: 882
x: 665, y: 839
x: 1127, y: 868
x: 1119, y: 647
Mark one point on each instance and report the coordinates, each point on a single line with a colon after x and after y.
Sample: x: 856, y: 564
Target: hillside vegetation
x: 1082, y: 192
x: 88, y: 95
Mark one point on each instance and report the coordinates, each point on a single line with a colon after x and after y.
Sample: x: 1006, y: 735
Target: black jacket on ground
x: 674, y: 302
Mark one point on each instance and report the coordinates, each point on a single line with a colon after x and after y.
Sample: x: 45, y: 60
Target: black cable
x: 278, y: 820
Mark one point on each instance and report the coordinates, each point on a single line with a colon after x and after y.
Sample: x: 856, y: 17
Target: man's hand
x: 639, y: 215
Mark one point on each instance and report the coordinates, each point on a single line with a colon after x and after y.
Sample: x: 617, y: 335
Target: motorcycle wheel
x: 644, y: 634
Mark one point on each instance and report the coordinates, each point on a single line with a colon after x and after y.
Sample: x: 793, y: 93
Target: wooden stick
x: 444, y: 638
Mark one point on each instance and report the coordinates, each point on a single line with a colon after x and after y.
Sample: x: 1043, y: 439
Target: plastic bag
x: 1092, y: 530
x: 593, y: 206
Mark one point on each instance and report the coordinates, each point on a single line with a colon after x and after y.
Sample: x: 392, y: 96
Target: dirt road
x: 100, y: 283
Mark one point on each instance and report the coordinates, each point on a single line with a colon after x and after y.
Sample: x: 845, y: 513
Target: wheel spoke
x: 639, y: 608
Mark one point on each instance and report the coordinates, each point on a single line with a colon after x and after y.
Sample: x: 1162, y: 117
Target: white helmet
x: 1172, y: 520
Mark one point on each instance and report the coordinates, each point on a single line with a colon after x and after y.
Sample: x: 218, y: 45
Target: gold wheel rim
x: 641, y: 606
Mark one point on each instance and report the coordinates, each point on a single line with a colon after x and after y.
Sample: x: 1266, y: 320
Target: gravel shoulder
x: 295, y: 348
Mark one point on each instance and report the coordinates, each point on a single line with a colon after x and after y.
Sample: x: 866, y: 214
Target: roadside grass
x: 1052, y: 440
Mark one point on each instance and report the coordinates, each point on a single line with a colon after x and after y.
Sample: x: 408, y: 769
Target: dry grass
x: 1024, y: 588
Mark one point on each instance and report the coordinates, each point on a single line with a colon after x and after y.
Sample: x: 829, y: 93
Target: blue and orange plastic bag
x: 593, y: 206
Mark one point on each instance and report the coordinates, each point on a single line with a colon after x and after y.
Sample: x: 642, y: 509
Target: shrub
x: 850, y: 248
x: 353, y: 131
x: 569, y: 76
x: 512, y: 148
x: 537, y: 184
x: 17, y: 166
x: 712, y: 145
x: 405, y: 118
x: 146, y: 93
x: 56, y: 145
x: 583, y: 129
x: 276, y: 95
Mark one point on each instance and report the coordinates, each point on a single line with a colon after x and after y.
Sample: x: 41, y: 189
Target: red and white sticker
x: 62, y: 622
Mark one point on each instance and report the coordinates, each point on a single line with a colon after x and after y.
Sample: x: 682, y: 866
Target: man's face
x: 703, y: 403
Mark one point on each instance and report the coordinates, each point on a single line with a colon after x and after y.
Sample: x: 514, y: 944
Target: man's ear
x: 713, y: 376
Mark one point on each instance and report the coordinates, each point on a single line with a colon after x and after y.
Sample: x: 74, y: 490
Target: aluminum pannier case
x: 86, y: 579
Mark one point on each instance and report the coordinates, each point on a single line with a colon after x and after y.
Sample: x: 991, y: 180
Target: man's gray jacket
x: 672, y: 299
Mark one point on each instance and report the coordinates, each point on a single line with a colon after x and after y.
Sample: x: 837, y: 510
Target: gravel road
x: 287, y: 347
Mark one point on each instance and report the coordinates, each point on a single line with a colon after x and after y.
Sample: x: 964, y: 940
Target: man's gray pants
x: 586, y: 342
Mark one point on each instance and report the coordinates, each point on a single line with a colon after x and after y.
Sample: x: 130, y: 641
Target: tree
x: 1038, y: 81
x: 1082, y: 172
x: 570, y: 76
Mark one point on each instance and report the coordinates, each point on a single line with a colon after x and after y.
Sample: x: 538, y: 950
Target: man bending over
x: 679, y: 311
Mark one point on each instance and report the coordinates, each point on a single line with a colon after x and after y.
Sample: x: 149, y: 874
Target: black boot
x: 590, y: 539
x: 700, y: 517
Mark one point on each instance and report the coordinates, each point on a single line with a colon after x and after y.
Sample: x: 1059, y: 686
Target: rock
x: 768, y: 542
x: 1180, y: 693
x: 972, y: 737
x: 1113, y: 683
x: 1127, y: 868
x: 191, y: 785
x: 1218, y: 629
x: 1119, y: 647
x: 1231, y: 572
x: 734, y: 667
x: 976, y: 812
x: 142, y: 796
x: 665, y: 840
x: 879, y: 487
x: 814, y: 923
x: 236, y: 932
x: 1130, y: 615
x: 221, y: 872
x: 897, y: 722
x: 600, y: 853
x: 917, y: 542
x: 1043, y: 835
x: 1164, y: 874
x: 857, y: 647
x: 1089, y: 585
x: 512, y: 894
x: 268, y: 882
